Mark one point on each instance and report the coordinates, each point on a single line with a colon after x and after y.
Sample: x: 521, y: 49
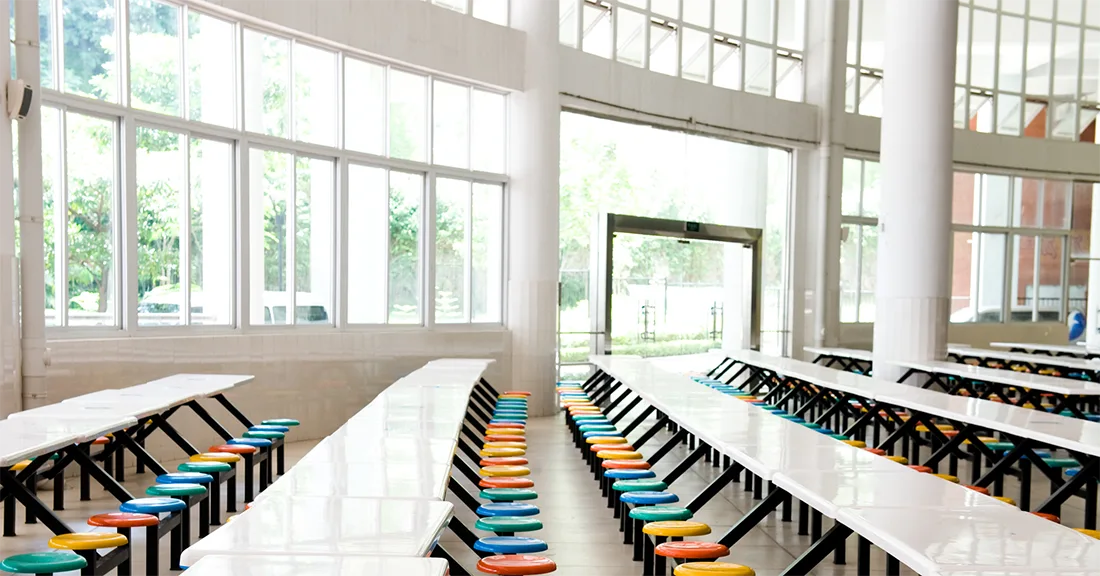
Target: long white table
x: 215, y: 565
x: 1069, y: 350
x: 900, y: 511
x: 1063, y: 366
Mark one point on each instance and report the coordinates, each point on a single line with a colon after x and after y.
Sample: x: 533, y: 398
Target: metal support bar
x: 233, y: 410
x: 713, y: 488
x: 649, y: 434
x: 455, y: 488
x: 752, y: 518
x: 685, y: 464
x: 813, y: 556
x: 210, y: 420
x: 667, y: 447
x: 637, y: 421
x: 626, y: 410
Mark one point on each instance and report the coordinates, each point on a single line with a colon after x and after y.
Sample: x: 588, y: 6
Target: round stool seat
x: 1061, y: 462
x: 222, y: 457
x: 921, y: 469
x: 507, y: 509
x: 271, y: 427
x: 660, y: 513
x: 856, y: 443
x: 510, y: 421
x: 649, y: 498
x: 582, y: 417
x: 152, y: 505
x: 506, y: 431
x: 598, y: 428
x: 87, y: 541
x: 494, y: 438
x: 1046, y: 516
x: 515, y: 393
x: 510, y: 545
x: 629, y: 474
x: 605, y: 439
x: 281, y: 422
x: 502, y: 452
x: 899, y: 459
x: 503, y: 461
x: 123, y: 520
x: 676, y: 528
x: 204, y: 467
x: 1006, y: 500
x: 508, y: 494
x: 251, y: 441
x: 175, y: 490
x: 811, y: 425
x: 639, y: 486
x: 234, y: 449
x: 516, y: 565
x: 712, y: 569
x: 978, y: 489
x: 506, y: 482
x: 876, y: 451
x: 185, y: 478
x: 948, y: 477
x: 692, y: 550
x: 586, y: 434
x: 43, y: 563
x: 601, y: 447
x: 101, y: 441
x: 508, y: 524
x: 518, y: 414
x: 1090, y: 533
x: 520, y: 445
x: 253, y: 434
x: 618, y: 455
x: 517, y: 426
x: 625, y: 464
x: 505, y: 471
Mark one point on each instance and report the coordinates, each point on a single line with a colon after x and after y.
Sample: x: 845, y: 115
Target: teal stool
x: 43, y: 563
x: 191, y: 495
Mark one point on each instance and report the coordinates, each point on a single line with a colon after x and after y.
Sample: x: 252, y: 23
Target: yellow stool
x: 497, y: 471
x: 86, y: 544
x: 712, y: 569
x: 20, y: 466
x: 856, y: 443
x: 942, y: 427
x: 520, y: 445
x: 618, y: 455
x: 948, y: 477
x: 507, y: 431
x: 584, y: 410
x: 668, y: 529
x: 502, y: 452
x: 1006, y: 500
x: 1089, y: 533
x: 899, y: 459
x: 225, y: 457
x: 605, y: 440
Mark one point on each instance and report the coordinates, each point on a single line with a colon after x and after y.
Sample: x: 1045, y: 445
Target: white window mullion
x: 61, y: 227
x: 290, y: 230
x: 341, y: 245
x: 185, y: 233
x: 126, y: 254
x: 389, y: 250
x: 122, y: 29
x: 468, y: 256
x: 427, y: 251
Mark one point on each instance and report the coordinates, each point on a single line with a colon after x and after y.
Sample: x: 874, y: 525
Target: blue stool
x: 505, y: 421
x: 507, y: 509
x: 185, y: 478
x: 178, y: 517
x: 270, y: 428
x: 649, y: 498
x: 627, y: 474
x: 509, y: 545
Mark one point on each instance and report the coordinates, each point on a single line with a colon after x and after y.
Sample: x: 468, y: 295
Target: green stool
x: 639, y: 485
x: 660, y: 513
x: 281, y: 422
x: 222, y: 472
x: 508, y: 494
x: 191, y: 495
x: 811, y: 425
x: 265, y: 434
x: 43, y: 563
x: 508, y: 525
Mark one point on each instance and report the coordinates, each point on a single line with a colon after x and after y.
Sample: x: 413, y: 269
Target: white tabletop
x: 1071, y: 349
x: 22, y: 438
x: 850, y: 353
x: 1065, y: 386
x: 328, y: 526
x: 205, y: 384
x: 808, y: 372
x: 1042, y: 359
x: 391, y: 478
x: 282, y: 565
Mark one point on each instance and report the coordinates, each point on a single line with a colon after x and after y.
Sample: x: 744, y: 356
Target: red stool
x: 506, y: 482
x: 978, y: 489
x: 921, y: 469
x: 625, y: 464
x: 504, y: 461
x: 876, y: 451
x: 1046, y: 516
x: 122, y: 522
x: 690, y: 550
x: 516, y: 565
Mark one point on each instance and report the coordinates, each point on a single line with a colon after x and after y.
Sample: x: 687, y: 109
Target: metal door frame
x: 602, y: 246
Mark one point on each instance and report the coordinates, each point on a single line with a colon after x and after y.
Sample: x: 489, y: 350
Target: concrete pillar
x: 912, y: 300
x: 535, y: 118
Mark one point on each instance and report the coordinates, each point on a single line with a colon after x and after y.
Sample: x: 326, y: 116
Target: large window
x: 495, y: 11
x: 1022, y: 68
x: 1020, y: 246
x: 751, y: 45
x: 218, y: 117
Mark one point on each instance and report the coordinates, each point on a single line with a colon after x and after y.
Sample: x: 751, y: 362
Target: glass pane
x: 1023, y: 278
x: 995, y: 196
x: 212, y: 237
x: 1042, y: 8
x: 1013, y: 6
x: 211, y: 76
x: 160, y: 189
x: 364, y: 106
x: 154, y: 56
x: 408, y: 115
x: 489, y: 117
x: 1082, y: 217
x: 852, y: 183
x: 452, y: 212
x: 1025, y: 211
x: 851, y: 83
x: 270, y: 187
x: 849, y: 273
x: 792, y: 24
x: 872, y: 184
x: 1090, y: 81
x: 1056, y: 195
x: 1069, y: 11
x: 51, y: 199
x: 696, y: 56
x: 487, y: 253
x: 758, y: 20
x: 1050, y: 278
x: 981, y: 113
x: 630, y: 45
x: 1009, y: 112
x: 495, y: 11
x: 91, y: 162
x: 456, y: 5
x: 1067, y: 52
x: 870, y: 98
x: 368, y: 244
x: 853, y: 33
x: 872, y: 48
x: 964, y: 208
x: 697, y: 12
x: 597, y: 31
x: 758, y: 69
x: 314, y: 95
x: 963, y: 279
x: 788, y: 79
x: 662, y: 49
x: 990, y: 271
x: 1035, y: 119
x: 266, y: 84
x: 983, y: 63
x: 670, y: 8
x: 727, y: 66
x: 314, y: 255
x: 1011, y: 54
x: 1039, y: 38
x: 868, y: 266
x: 1065, y: 118
x: 962, y: 45
x: 46, y: 43
x: 728, y: 16
x: 406, y: 191
x: 960, y: 108
x: 567, y: 22
x: 450, y: 124
x: 1092, y: 13
x: 90, y: 48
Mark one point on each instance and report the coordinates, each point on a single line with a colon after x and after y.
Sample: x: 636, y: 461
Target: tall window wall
x: 1019, y: 254
x: 495, y: 11
x: 1024, y: 67
x: 228, y: 156
x: 751, y: 45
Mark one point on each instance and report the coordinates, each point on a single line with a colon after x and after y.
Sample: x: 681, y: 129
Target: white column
x: 534, y: 137
x: 746, y: 207
x: 914, y: 251
x: 1092, y: 317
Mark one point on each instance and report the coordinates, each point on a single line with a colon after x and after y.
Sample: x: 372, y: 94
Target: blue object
x: 501, y: 421
x: 185, y: 478
x: 510, y: 545
x: 152, y: 505
x: 507, y: 509
x: 649, y: 498
x: 270, y: 428
x: 600, y: 433
x: 257, y: 442
x: 825, y: 431
x: 621, y: 474
x: 1072, y: 471
x: 1076, y: 325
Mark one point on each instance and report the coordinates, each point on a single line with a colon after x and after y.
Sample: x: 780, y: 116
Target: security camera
x: 19, y: 99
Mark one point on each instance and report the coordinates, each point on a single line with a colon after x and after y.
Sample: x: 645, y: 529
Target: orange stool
x: 516, y: 565
x: 625, y: 464
x: 1046, y: 516
x: 122, y: 522
x: 503, y: 461
x: 921, y: 469
x: 876, y: 451
x: 978, y: 489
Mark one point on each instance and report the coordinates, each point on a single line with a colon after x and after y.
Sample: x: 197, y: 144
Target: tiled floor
x: 583, y: 537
